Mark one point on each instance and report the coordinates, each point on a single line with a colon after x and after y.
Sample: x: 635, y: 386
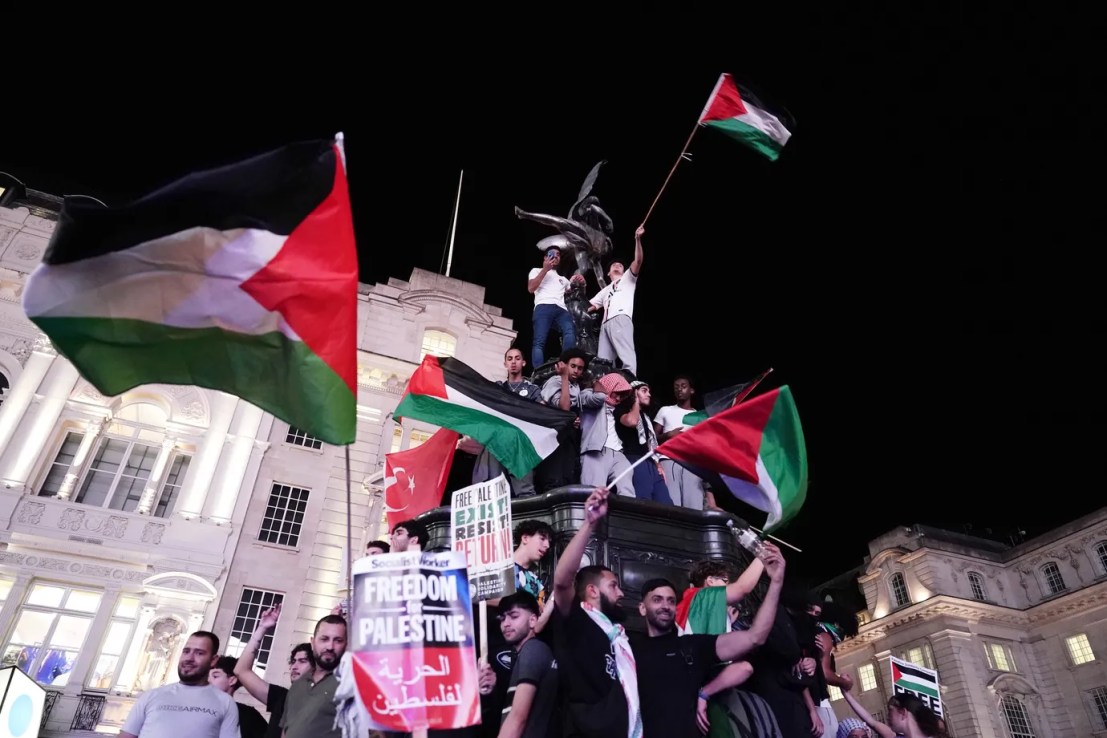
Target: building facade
x: 1017, y: 633
x: 128, y: 522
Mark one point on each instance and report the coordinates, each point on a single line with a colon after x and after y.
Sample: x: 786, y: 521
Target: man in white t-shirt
x: 685, y: 488
x: 617, y: 301
x: 549, y: 288
x: 190, y: 707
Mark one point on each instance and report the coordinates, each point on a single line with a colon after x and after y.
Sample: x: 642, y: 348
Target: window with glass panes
x: 437, y: 343
x: 297, y: 437
x: 1101, y: 556
x: 284, y: 515
x: 55, y: 476
x: 921, y: 655
x: 171, y: 487
x: 1096, y: 699
x: 976, y: 585
x: 1080, y: 649
x: 999, y: 657
x: 867, y: 676
x: 414, y: 440
x: 49, y: 631
x: 251, y: 604
x: 121, y: 629
x: 1055, y: 583
x: 1016, y: 717
x: 899, y: 590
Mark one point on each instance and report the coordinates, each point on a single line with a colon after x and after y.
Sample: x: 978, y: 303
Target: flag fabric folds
x: 415, y: 479
x: 755, y: 449
x: 702, y: 610
x: 241, y: 279
x: 737, y: 113
x: 718, y: 400
x: 518, y: 432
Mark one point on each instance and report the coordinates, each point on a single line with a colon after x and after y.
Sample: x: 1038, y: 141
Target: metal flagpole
x: 453, y: 225
x: 340, y: 144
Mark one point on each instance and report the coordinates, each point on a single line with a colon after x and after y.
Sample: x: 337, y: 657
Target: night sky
x: 920, y: 266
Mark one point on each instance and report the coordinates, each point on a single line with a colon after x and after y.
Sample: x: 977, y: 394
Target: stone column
x: 157, y: 476
x: 131, y: 660
x: 20, y: 394
x: 226, y: 485
x: 959, y: 657
x: 93, y: 429
x: 37, y: 425
x: 204, y: 464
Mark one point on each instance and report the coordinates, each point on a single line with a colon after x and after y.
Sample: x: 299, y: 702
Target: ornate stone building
x: 1017, y: 634
x: 127, y: 522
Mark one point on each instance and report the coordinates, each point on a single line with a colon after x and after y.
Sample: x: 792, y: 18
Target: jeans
x: 544, y: 317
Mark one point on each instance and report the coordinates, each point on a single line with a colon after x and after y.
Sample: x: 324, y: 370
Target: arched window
x: 1055, y: 583
x: 1101, y: 556
x: 976, y: 584
x: 1016, y: 717
x: 437, y: 343
x: 4, y: 387
x: 899, y: 590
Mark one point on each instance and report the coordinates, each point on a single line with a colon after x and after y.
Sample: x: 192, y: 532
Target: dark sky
x: 920, y: 266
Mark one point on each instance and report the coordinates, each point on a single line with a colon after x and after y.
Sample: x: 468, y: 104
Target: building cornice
x: 973, y: 611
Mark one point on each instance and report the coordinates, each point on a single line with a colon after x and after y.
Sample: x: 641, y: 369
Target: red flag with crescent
x: 415, y: 479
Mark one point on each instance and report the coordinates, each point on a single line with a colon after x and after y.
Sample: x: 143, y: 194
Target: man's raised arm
x: 736, y: 645
x: 566, y: 573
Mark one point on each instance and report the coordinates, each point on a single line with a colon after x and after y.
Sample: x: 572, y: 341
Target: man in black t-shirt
x: 531, y: 707
x: 593, y: 654
x: 672, y: 669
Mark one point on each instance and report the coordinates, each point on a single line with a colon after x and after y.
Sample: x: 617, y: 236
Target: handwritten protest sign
x: 480, y: 528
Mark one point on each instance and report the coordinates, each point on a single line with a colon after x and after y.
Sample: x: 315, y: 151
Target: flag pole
x: 675, y: 165
x: 778, y: 540
x: 628, y: 470
x: 453, y: 224
x: 715, y: 91
x: 340, y: 144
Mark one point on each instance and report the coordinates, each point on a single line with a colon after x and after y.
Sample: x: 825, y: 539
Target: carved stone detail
x: 31, y: 513
x: 74, y: 567
x: 43, y: 345
x: 152, y: 533
x: 72, y: 518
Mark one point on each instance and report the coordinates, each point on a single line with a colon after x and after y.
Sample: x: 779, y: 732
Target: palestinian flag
x: 517, y: 431
x: 719, y: 400
x: 740, y: 115
x: 907, y: 677
x: 241, y: 279
x: 755, y: 449
x: 702, y: 610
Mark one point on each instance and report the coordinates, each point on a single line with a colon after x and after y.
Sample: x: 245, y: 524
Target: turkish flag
x: 414, y: 480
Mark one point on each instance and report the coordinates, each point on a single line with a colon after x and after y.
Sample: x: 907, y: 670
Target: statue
x: 586, y: 232
x: 161, y: 646
x: 586, y: 323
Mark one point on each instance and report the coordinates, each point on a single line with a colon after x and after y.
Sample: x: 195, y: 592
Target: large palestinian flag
x: 241, y: 279
x: 755, y: 449
x: 517, y: 431
x: 738, y: 114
